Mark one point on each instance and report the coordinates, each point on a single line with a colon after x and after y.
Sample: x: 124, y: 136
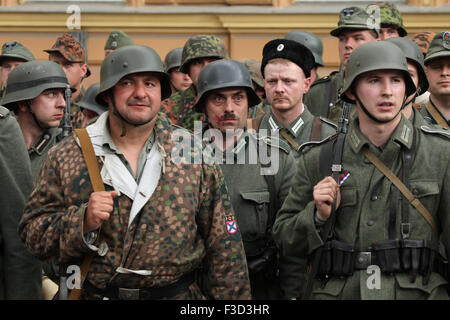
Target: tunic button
x: 374, y: 198
x: 370, y: 223
x: 416, y: 192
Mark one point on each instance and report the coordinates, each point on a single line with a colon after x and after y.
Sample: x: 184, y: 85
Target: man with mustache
x: 355, y: 27
x: 437, y: 63
x: 162, y: 220
x: 257, y: 169
x: 286, y: 68
x: 39, y: 107
x: 378, y: 228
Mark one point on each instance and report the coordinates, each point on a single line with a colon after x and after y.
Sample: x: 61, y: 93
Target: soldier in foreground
x: 437, y: 63
x: 198, y: 51
x: 225, y: 95
x: 20, y: 272
x: 179, y: 81
x: 357, y: 222
x: 162, y: 216
x: 13, y: 54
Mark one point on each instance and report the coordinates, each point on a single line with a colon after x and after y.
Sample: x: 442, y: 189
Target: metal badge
x: 280, y: 47
x: 446, y: 40
x: 348, y: 12
x: 102, y: 249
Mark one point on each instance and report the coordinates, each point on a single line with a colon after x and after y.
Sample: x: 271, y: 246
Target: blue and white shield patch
x: 231, y: 224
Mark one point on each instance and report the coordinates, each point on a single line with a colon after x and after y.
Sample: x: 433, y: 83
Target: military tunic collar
x: 295, y: 127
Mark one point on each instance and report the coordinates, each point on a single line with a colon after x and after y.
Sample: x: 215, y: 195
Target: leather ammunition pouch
x: 263, y: 265
x: 337, y: 259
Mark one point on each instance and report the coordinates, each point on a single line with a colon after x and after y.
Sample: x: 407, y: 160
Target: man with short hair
x: 354, y: 29
x: 198, y: 51
x: 363, y: 233
x: 437, y: 66
x: 225, y: 95
x: 391, y: 22
x: 179, y: 81
x: 69, y: 54
x: 163, y: 219
x: 117, y: 39
x: 13, y: 54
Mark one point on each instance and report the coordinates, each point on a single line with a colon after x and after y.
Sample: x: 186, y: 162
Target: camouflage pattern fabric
x: 254, y: 68
x: 179, y: 107
x: 390, y: 16
x: 423, y: 40
x: 180, y: 228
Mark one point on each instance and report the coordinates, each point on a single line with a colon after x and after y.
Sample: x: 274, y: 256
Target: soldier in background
x: 437, y: 65
x: 225, y: 95
x: 13, y: 54
x: 423, y: 40
x: 179, y: 81
x: 391, y: 23
x: 313, y: 43
x: 198, y: 51
x: 20, y: 272
x: 254, y: 68
x: 117, y: 39
x: 90, y: 107
x: 354, y: 29
x: 69, y: 54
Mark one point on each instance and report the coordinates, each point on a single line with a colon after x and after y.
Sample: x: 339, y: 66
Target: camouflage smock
x: 181, y: 226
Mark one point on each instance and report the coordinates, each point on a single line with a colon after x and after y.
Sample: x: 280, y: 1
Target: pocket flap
x: 424, y: 188
x: 259, y: 196
x: 349, y: 196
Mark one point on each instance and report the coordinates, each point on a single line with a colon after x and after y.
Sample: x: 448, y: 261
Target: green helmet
x: 254, y: 68
x: 413, y: 52
x: 118, y: 39
x: 390, y: 16
x: 202, y: 46
x: 371, y: 56
x: 439, y: 46
x: 173, y: 59
x: 88, y: 102
x: 128, y: 60
x: 309, y: 40
x: 16, y: 50
x: 224, y: 74
x: 357, y: 19
x: 30, y: 79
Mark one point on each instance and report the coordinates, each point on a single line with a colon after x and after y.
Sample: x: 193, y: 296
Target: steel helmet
x: 309, y: 40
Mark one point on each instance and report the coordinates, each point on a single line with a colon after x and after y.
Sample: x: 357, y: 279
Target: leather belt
x: 155, y: 293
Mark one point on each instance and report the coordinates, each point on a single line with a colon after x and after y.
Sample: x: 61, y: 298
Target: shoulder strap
x: 436, y: 116
x: 316, y: 129
x: 400, y: 186
x: 97, y: 185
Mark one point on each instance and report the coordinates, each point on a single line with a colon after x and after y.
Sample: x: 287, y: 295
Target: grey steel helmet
x: 309, y: 40
x: 88, y: 102
x: 128, y: 60
x: 30, y: 79
x: 173, y: 59
x: 412, y: 52
x: 224, y: 74
x: 371, y: 56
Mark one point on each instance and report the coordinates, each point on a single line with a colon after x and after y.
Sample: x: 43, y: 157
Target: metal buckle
x: 363, y: 260
x: 128, y: 294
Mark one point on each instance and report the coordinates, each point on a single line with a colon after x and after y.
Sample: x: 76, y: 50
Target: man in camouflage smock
x: 198, y: 51
x: 391, y: 21
x: 163, y: 219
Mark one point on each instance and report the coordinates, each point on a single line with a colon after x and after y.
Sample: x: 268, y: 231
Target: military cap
x: 390, y: 16
x: 173, y: 59
x: 423, y: 40
x: 118, y: 39
x: 439, y: 47
x: 254, y: 68
x: 355, y: 18
x: 289, y: 50
x: 16, y: 50
x: 70, y: 49
x: 202, y: 46
x: 309, y: 40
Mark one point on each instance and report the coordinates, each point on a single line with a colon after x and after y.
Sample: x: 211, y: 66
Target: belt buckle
x: 128, y: 294
x: 363, y: 260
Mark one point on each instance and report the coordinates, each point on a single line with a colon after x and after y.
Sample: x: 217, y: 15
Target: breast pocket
x: 427, y: 191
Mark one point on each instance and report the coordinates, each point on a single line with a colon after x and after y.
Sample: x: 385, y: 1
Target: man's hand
x: 324, y: 194
x: 99, y: 208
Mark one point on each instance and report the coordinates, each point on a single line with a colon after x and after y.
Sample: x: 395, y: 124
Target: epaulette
x: 436, y: 129
x: 273, y: 142
x: 3, y: 112
x: 324, y: 79
x: 326, y: 120
x: 317, y: 143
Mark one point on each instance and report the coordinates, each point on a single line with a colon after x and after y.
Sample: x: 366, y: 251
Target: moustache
x: 132, y: 102
x: 228, y: 116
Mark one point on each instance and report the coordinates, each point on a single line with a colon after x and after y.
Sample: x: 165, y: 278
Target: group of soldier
x: 303, y: 184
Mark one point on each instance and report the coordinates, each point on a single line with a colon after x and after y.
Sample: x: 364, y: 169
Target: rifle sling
x: 435, y: 114
x: 97, y: 185
x: 400, y: 186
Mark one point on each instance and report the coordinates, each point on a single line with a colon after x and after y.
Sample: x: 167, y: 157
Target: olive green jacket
x: 40, y: 148
x: 362, y: 217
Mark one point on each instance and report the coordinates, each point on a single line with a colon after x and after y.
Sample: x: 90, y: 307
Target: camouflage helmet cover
x: 309, y: 40
x: 439, y: 47
x: 357, y: 19
x: 173, y: 59
x: 30, y: 79
x: 16, y: 50
x: 224, y: 74
x: 202, y: 46
x: 254, y: 68
x: 128, y: 60
x: 390, y: 16
x: 371, y: 56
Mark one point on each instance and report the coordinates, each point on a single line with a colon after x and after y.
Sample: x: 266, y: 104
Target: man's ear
x: 350, y: 94
x: 84, y: 70
x: 22, y: 106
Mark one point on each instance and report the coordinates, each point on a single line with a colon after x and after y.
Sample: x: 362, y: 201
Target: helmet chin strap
x: 372, y: 117
x: 38, y: 123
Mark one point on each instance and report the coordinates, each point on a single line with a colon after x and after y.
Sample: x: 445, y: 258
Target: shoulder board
x: 328, y: 121
x: 317, y: 143
x: 3, y: 112
x: 273, y: 142
x: 325, y: 79
x: 436, y: 129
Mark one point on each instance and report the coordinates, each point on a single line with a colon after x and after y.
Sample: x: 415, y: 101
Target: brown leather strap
x: 400, y: 186
x: 97, y: 185
x: 436, y: 116
x: 289, y: 139
x: 316, y: 129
